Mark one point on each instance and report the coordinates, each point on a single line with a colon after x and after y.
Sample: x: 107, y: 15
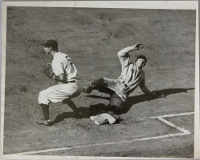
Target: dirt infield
x: 92, y: 37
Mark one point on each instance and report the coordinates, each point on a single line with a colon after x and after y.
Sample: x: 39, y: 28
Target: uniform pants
x: 111, y: 87
x: 59, y: 92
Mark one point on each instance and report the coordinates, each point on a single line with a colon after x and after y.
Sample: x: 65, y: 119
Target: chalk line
x: 174, y: 115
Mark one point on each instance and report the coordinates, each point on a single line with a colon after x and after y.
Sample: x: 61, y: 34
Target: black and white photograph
x: 104, y: 79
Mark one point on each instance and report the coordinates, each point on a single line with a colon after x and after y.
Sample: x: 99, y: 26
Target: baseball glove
x: 48, y: 70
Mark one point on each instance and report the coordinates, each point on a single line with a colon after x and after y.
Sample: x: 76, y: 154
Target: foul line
x: 183, y: 132
x: 161, y: 118
x: 174, y: 115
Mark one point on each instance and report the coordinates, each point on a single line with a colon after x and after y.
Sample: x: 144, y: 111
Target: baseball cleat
x: 113, y: 115
x: 88, y: 89
x: 44, y: 122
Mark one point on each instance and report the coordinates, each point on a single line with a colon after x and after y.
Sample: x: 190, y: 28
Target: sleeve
x: 142, y: 82
x: 57, y: 66
x: 124, y: 56
x: 124, y: 60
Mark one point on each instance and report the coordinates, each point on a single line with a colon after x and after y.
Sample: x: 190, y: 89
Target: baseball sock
x: 45, y: 109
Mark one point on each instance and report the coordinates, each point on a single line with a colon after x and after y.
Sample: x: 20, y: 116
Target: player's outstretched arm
x: 146, y: 90
x: 125, y: 51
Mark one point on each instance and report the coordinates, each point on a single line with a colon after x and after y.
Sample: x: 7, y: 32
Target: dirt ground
x: 92, y: 37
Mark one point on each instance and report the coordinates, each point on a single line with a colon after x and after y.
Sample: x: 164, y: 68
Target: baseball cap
x: 51, y: 43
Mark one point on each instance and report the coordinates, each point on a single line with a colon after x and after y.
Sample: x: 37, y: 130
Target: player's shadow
x: 63, y: 116
x: 85, y: 113
x: 143, y: 97
x: 95, y: 109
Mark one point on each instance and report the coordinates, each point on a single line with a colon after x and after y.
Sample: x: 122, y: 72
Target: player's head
x: 140, y: 61
x: 50, y: 45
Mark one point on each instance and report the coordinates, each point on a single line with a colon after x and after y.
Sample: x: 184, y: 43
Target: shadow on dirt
x: 85, y: 113
x: 100, y: 107
x: 141, y: 98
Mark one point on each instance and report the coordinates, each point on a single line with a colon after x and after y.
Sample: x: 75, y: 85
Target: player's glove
x: 48, y: 70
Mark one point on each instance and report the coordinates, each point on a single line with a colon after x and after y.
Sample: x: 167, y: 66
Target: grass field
x: 92, y: 38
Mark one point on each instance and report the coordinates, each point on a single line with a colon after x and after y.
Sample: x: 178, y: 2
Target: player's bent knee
x: 41, y: 94
x: 97, y: 81
x: 42, y: 99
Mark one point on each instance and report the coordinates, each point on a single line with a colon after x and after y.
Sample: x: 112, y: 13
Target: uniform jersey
x: 63, y: 64
x: 129, y: 79
x: 130, y: 74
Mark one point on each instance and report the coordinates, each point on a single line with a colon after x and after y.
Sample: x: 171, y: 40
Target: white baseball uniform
x: 129, y: 79
x: 61, y: 63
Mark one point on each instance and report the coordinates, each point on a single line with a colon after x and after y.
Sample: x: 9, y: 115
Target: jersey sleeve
x: 142, y: 82
x: 57, y: 66
x: 124, y: 60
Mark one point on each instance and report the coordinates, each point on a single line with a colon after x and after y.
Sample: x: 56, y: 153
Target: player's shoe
x: 88, y: 89
x: 43, y: 122
x: 117, y: 117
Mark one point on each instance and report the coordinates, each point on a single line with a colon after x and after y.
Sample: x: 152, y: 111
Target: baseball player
x: 131, y: 76
x: 63, y: 70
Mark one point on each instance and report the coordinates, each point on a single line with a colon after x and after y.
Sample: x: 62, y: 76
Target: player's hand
x: 48, y: 70
x: 139, y: 46
x: 156, y: 95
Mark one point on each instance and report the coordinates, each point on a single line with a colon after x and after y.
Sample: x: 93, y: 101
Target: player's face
x: 47, y: 50
x: 140, y: 63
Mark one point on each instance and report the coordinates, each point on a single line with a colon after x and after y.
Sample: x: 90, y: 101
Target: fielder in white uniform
x: 131, y: 76
x: 64, y: 71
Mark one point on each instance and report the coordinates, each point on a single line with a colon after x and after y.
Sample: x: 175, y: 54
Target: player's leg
x: 93, y: 85
x: 54, y: 94
x: 79, y: 89
x: 46, y: 121
x: 116, y: 104
x: 113, y: 109
x: 65, y: 92
x: 44, y: 103
x: 57, y: 93
x: 45, y: 110
x: 101, y: 84
x: 71, y: 104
